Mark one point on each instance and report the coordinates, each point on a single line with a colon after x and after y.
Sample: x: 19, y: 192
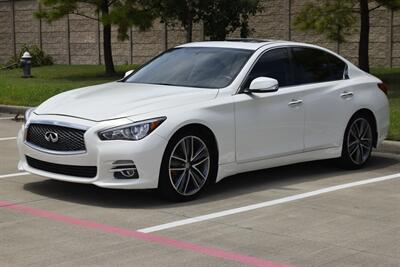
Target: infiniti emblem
x: 51, y: 137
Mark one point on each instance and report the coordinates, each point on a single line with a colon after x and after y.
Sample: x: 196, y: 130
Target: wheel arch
x: 204, y: 130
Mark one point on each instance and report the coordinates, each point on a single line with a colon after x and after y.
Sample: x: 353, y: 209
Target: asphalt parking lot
x: 311, y: 214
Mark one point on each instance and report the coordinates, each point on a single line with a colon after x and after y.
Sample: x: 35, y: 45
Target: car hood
x: 118, y: 99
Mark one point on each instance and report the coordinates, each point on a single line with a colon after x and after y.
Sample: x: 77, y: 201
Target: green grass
x: 51, y: 80
x: 392, y: 78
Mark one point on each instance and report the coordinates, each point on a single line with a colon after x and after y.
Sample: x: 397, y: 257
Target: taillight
x: 383, y: 88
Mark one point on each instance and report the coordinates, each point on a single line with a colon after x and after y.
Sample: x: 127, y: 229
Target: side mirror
x: 129, y: 72
x: 263, y: 85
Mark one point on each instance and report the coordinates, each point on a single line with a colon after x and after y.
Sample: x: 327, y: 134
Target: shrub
x: 39, y: 57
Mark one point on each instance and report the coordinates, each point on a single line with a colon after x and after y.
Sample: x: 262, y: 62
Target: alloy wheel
x: 189, y: 165
x: 359, y: 141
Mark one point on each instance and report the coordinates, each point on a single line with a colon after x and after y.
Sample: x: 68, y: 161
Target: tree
x: 123, y: 13
x: 185, y: 12
x: 336, y: 19
x: 221, y: 17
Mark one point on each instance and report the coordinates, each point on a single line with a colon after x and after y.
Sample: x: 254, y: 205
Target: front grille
x: 70, y: 170
x: 68, y: 139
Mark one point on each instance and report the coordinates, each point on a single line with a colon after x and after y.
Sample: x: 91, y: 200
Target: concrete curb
x: 385, y: 147
x: 13, y: 109
x: 389, y: 147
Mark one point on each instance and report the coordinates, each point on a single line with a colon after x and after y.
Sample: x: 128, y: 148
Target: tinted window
x: 313, y: 66
x: 193, y: 67
x: 273, y: 64
x: 337, y: 67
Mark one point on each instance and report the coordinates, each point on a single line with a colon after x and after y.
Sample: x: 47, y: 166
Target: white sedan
x: 204, y: 111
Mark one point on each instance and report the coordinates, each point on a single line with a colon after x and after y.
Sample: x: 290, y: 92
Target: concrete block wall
x: 6, y: 31
x: 78, y: 40
x: 83, y: 37
x: 55, y: 40
x: 395, y: 39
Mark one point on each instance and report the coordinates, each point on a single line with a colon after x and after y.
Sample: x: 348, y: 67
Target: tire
x: 357, y: 143
x: 189, y: 164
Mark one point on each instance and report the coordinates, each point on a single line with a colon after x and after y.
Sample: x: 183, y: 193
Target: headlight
x: 28, y: 113
x: 133, y: 132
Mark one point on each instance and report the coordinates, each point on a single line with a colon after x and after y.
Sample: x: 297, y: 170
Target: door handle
x: 295, y: 103
x: 346, y: 95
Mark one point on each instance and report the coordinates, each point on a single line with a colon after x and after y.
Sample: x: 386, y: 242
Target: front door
x: 271, y: 124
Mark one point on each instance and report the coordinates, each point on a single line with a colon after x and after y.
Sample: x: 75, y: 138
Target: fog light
x: 124, y: 169
x: 128, y: 173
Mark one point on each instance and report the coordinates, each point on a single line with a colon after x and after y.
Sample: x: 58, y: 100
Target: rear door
x: 323, y: 79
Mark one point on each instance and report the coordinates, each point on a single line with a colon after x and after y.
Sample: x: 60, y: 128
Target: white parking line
x: 7, y: 118
x: 13, y: 175
x: 8, y: 138
x: 265, y: 204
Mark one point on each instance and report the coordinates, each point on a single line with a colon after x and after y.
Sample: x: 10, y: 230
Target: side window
x: 337, y: 67
x: 314, y: 66
x: 273, y: 64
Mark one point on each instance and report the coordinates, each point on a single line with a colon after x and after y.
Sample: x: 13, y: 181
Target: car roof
x: 255, y: 44
x: 247, y: 43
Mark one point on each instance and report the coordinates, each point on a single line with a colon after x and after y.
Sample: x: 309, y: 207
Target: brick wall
x: 78, y: 40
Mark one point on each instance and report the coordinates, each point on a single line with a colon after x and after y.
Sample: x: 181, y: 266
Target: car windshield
x: 203, y: 67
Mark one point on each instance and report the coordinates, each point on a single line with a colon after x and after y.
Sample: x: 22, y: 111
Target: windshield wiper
x: 168, y: 84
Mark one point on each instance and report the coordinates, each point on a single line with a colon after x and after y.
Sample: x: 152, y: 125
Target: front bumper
x: 146, y: 154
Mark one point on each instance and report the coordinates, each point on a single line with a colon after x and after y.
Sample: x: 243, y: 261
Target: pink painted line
x: 210, y: 251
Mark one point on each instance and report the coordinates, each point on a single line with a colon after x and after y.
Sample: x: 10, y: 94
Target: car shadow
x: 284, y: 178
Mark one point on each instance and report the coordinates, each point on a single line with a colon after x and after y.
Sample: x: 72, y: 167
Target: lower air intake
x: 70, y: 170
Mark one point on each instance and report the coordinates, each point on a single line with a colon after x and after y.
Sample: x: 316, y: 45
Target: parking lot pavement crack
x: 183, y: 216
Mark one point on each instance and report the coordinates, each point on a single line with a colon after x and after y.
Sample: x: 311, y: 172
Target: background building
x: 77, y: 40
